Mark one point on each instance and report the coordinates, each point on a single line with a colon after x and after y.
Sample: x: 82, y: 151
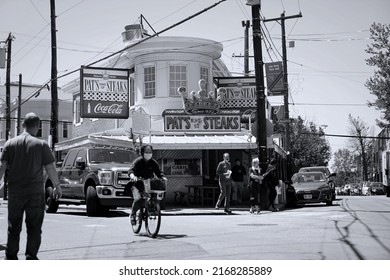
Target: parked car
x: 330, y: 177
x: 311, y: 187
x: 94, y: 176
x: 376, y: 188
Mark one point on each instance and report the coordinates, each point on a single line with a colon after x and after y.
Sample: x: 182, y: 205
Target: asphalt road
x: 354, y: 228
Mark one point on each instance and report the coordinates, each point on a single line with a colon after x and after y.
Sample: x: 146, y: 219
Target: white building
x: 158, y: 66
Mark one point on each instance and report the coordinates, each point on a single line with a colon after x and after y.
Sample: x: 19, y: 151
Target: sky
x: 326, y: 67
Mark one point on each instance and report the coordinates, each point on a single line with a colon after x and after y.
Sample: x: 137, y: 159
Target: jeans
x: 33, y: 205
x: 137, y: 202
x: 225, y: 188
x: 237, y: 188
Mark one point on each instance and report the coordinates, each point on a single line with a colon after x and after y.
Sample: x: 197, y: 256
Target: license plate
x: 307, y: 196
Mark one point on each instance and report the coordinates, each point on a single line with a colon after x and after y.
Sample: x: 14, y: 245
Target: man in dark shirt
x: 25, y: 156
x: 225, y: 182
x: 144, y: 167
x: 238, y: 173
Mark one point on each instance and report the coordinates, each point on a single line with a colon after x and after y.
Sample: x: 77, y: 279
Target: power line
x: 329, y: 104
x: 345, y: 136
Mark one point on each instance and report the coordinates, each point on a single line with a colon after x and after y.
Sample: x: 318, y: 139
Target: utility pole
x: 246, y: 24
x: 8, y: 89
x: 282, y: 18
x: 19, y: 105
x: 261, y: 128
x: 54, y: 87
x: 8, y: 104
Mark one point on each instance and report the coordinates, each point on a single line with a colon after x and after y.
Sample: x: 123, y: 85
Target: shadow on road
x: 109, y: 214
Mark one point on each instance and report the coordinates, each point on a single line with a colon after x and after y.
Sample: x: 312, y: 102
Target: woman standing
x: 255, y: 180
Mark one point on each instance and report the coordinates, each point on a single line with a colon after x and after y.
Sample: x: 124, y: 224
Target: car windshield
x: 316, y: 169
x: 376, y: 186
x: 309, y: 177
x: 104, y: 155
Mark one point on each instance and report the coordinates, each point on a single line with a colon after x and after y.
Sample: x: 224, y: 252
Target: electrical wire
x: 32, y: 3
x: 40, y: 63
x: 65, y: 11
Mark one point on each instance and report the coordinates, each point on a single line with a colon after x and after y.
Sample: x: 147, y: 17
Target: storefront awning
x: 201, y: 142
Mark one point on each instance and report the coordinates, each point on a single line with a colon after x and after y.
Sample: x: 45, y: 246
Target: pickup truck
x: 94, y: 176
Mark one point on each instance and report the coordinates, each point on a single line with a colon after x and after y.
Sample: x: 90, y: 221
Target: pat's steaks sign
x: 104, y: 93
x: 224, y: 121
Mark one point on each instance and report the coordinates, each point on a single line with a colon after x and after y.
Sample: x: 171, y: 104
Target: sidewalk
x: 172, y: 210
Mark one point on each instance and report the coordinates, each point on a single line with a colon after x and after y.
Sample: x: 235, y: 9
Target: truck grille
x: 122, y: 178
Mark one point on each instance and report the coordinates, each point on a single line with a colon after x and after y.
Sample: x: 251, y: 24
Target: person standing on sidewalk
x: 255, y: 181
x: 271, y: 181
x: 225, y: 183
x: 25, y: 157
x: 238, y: 173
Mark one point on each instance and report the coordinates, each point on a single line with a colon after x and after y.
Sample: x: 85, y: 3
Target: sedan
x: 376, y: 188
x: 311, y: 187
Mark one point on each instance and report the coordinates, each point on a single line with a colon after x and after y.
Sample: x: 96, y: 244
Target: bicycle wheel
x: 138, y: 222
x: 152, y: 217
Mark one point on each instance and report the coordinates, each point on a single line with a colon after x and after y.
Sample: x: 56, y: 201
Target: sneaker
x: 251, y: 210
x: 228, y: 211
x: 216, y: 206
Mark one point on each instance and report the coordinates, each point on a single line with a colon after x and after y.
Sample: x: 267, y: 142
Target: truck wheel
x: 92, y: 201
x: 51, y: 204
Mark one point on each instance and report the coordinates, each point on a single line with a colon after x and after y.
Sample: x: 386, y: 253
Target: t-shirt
x: 223, y: 167
x: 26, y: 156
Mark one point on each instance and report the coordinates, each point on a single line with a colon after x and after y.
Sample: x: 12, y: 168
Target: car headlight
x: 105, y: 177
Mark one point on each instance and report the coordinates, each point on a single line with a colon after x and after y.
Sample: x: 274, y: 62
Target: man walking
x: 25, y: 156
x: 225, y: 183
x: 238, y: 173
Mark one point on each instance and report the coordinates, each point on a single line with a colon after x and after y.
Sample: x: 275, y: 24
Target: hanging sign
x: 274, y: 73
x: 104, y: 93
x: 240, y: 92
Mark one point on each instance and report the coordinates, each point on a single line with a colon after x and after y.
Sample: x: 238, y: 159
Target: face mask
x: 147, y: 156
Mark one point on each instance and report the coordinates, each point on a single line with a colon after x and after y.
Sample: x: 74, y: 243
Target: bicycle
x: 150, y: 211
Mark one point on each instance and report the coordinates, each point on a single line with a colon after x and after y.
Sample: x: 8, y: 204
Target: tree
x: 308, y: 144
x: 379, y: 84
x: 344, y: 166
x: 361, y: 145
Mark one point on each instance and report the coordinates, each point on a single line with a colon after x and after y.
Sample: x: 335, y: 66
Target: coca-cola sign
x: 104, y: 93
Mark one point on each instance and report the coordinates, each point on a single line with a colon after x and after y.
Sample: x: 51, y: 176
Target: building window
x: 204, y: 74
x: 65, y: 130
x: 76, y: 111
x: 150, y: 81
x: 177, y: 78
x: 39, y: 133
